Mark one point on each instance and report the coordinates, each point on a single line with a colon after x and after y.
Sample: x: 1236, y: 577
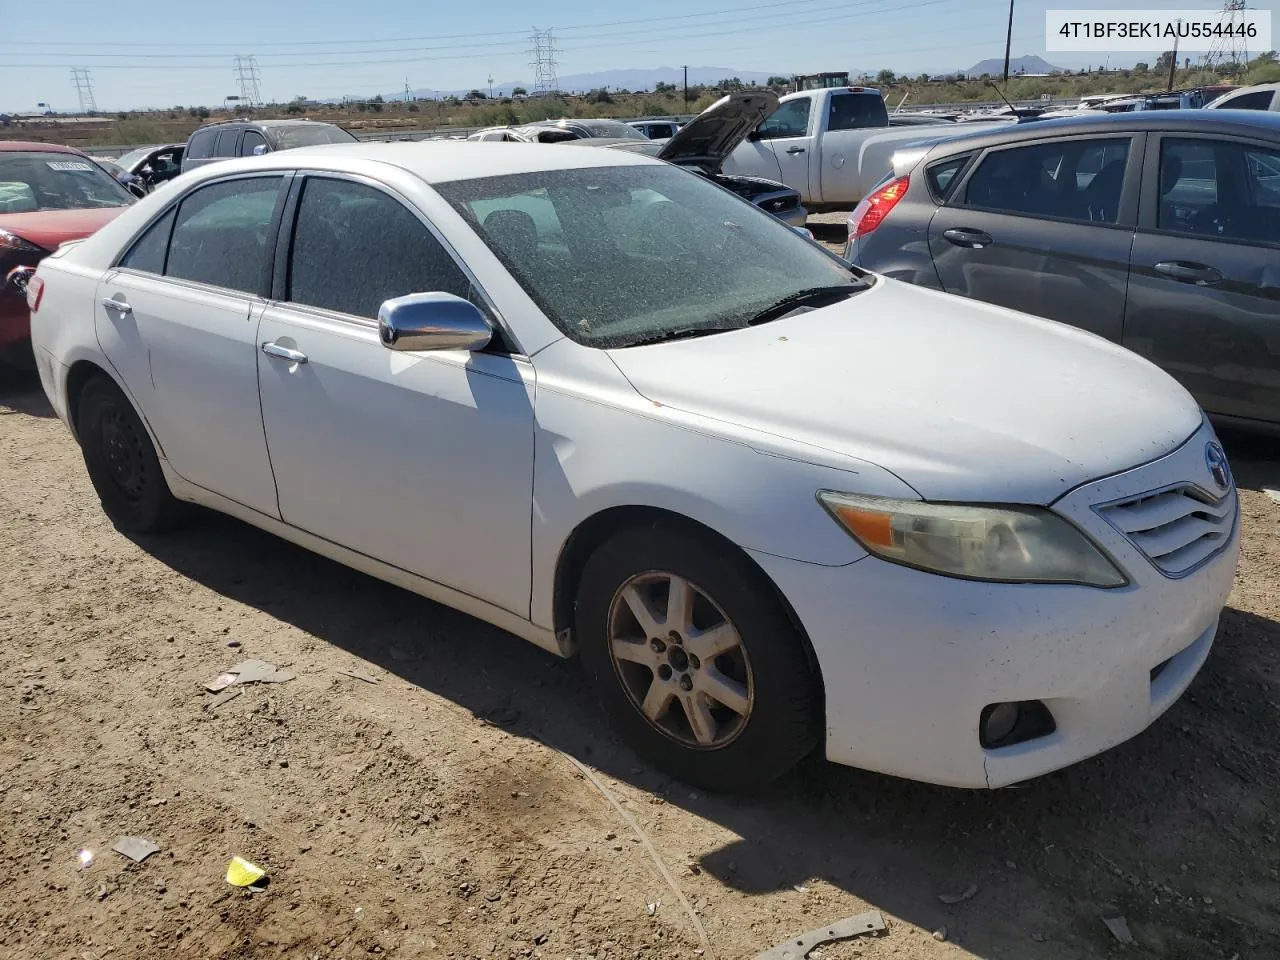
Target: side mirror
x: 432, y: 321
x: 136, y: 188
x: 754, y: 135
x: 260, y: 150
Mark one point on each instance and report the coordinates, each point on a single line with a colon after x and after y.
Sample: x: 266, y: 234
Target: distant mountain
x: 995, y: 66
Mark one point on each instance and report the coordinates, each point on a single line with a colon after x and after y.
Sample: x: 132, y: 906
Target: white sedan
x: 774, y: 502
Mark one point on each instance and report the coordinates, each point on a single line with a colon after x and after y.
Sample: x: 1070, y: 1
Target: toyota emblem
x: 1216, y: 460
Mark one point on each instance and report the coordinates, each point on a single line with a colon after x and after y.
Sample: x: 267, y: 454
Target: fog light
x: 998, y: 721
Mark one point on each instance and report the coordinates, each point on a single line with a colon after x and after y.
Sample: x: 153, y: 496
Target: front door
x: 420, y: 460
x: 1204, y: 292
x: 1045, y: 229
x: 178, y: 322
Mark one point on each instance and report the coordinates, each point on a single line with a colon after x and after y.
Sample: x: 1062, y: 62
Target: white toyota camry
x: 772, y: 501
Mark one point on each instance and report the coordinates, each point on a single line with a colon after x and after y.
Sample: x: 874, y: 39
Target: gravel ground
x: 441, y: 810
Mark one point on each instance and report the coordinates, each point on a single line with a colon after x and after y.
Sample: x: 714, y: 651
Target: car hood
x: 48, y: 228
x: 961, y: 400
x: 708, y: 139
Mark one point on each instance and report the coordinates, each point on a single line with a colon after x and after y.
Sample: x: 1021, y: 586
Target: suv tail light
x: 35, y: 291
x: 875, y: 206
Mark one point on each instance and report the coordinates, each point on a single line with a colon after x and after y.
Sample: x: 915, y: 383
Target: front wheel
x: 692, y: 655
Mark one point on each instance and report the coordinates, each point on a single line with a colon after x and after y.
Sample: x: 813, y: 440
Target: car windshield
x: 618, y: 256
x: 33, y: 181
x: 310, y: 135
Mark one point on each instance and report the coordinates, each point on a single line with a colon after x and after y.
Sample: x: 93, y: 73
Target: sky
x: 332, y: 48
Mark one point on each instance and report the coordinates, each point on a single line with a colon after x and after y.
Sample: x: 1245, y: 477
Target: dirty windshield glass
x: 622, y: 255
x: 311, y: 135
x: 56, y: 181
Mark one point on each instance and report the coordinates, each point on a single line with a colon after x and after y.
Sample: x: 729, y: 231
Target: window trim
x: 1149, y: 212
x: 278, y: 295
x: 1127, y: 216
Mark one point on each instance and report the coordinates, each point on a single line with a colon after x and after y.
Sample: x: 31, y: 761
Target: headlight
x: 14, y: 243
x: 1005, y: 544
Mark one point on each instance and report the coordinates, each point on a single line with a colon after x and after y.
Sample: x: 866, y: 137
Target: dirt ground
x: 440, y: 812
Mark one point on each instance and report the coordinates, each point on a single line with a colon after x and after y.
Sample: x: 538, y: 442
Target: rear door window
x: 148, y: 252
x: 942, y: 175
x: 220, y: 236
x: 227, y: 143
x: 1062, y: 179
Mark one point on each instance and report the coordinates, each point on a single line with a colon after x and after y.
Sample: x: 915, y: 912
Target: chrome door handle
x: 965, y: 237
x: 284, y: 353
x: 795, y: 149
x: 1196, y: 273
x: 119, y: 306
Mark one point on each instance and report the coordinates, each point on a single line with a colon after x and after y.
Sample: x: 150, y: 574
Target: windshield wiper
x: 804, y: 297
x: 681, y: 333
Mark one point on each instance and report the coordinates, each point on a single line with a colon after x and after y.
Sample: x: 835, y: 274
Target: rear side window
x: 220, y: 236
x: 1064, y: 180
x: 227, y: 143
x: 1258, y: 100
x: 944, y: 174
x: 855, y: 111
x: 200, y: 146
x: 148, y: 252
x: 1220, y: 190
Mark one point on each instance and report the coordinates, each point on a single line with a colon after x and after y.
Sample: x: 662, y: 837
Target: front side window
x: 252, y: 138
x: 854, y: 111
x: 791, y: 119
x: 617, y: 256
x: 1220, y: 189
x: 354, y: 247
x: 220, y: 235
x: 1064, y: 179
x: 35, y: 180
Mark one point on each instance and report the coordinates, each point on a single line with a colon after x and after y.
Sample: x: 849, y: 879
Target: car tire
x: 681, y: 711
x: 122, y: 461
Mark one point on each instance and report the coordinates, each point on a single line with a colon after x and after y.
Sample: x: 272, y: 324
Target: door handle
x: 119, y: 306
x: 1197, y: 273
x: 964, y: 237
x: 284, y: 353
x: 795, y: 149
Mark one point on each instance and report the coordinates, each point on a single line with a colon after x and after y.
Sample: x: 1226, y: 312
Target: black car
x: 224, y: 139
x: 1159, y: 230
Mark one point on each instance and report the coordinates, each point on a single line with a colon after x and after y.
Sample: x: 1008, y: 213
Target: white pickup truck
x: 831, y: 144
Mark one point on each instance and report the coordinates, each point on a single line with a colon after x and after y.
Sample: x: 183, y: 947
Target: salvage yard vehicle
x: 48, y: 194
x: 224, y: 139
x: 1264, y: 96
x: 1159, y: 230
x: 155, y: 164
x: 832, y: 145
x: 774, y: 501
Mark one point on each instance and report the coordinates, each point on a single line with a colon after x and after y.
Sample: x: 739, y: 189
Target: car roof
x: 1246, y: 122
x: 434, y: 161
x: 35, y: 146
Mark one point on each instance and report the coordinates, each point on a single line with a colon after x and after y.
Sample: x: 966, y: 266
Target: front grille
x: 1177, y: 528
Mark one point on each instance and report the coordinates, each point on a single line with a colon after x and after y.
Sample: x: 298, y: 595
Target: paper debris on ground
x: 1119, y: 928
x: 220, y: 682
x: 969, y: 893
x: 226, y: 695
x: 259, y: 671
x: 358, y: 675
x: 797, y: 948
x: 136, y: 849
x: 242, y: 873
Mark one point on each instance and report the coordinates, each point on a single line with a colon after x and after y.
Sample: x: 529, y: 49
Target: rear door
x: 1046, y: 228
x: 178, y: 319
x: 1204, y: 290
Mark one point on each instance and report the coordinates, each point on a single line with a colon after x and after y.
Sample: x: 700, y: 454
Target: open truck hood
x: 707, y: 140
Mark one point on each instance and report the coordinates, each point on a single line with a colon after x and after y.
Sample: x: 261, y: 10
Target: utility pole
x: 686, y: 87
x: 491, y: 86
x: 1008, y: 44
x: 1173, y: 61
x: 408, y: 94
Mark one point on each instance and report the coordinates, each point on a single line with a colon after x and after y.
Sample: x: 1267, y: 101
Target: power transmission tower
x: 1231, y: 46
x: 544, y: 62
x: 408, y: 94
x: 83, y: 81
x: 249, y: 79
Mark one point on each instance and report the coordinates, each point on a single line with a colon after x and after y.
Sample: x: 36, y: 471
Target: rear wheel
x: 691, y: 653
x: 122, y: 461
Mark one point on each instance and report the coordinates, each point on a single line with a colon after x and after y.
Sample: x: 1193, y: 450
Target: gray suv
x: 225, y: 139
x: 1158, y: 230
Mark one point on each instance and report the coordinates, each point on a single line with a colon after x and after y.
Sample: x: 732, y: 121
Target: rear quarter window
x: 943, y: 175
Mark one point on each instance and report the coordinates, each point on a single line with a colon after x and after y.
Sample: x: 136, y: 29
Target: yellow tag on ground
x: 242, y: 873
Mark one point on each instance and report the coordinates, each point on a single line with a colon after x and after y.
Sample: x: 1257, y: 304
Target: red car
x: 49, y: 194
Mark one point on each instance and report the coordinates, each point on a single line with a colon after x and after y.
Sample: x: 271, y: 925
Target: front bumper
x: 910, y: 659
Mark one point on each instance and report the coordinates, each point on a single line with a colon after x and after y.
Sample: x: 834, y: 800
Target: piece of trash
x: 136, y: 849
x: 257, y: 888
x: 259, y: 671
x: 800, y: 888
x: 969, y: 893
x: 228, y: 694
x: 652, y: 908
x: 84, y: 858
x: 242, y: 873
x: 357, y: 675
x: 797, y: 948
x: 1119, y: 928
x: 233, y: 644
x: 102, y: 891
x: 220, y: 682
x: 940, y: 934
x: 1273, y: 493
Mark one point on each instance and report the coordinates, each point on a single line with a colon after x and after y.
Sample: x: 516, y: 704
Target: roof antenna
x: 992, y: 85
